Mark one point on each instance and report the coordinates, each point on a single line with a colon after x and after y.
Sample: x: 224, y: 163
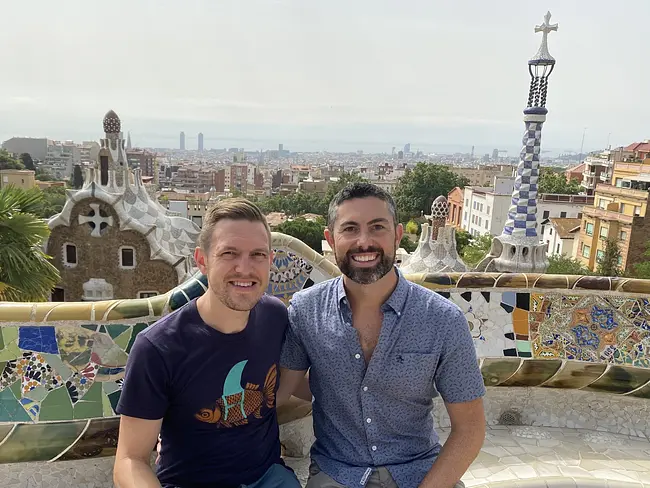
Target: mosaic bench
x: 62, y: 364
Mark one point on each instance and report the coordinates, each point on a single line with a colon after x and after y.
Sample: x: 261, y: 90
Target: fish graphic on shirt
x: 238, y: 403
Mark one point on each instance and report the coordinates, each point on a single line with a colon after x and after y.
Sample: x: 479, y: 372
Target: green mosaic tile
x: 88, y: 410
x: 107, y: 408
x: 58, y: 365
x: 91, y: 327
x: 124, y: 339
x: 38, y: 393
x: 137, y: 328
x: 9, y: 334
x: 115, y: 330
x: 102, y: 328
x: 4, y: 430
x: 10, y: 408
x: 17, y: 389
x: 56, y: 405
x: 110, y: 386
x: 523, y: 346
x: 94, y: 393
x: 2, y: 342
x: 39, y: 442
x: 11, y: 351
x: 114, y: 398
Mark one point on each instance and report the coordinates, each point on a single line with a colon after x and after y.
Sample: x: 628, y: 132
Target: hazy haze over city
x: 336, y: 75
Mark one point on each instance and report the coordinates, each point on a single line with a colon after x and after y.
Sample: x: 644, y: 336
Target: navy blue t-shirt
x: 215, y: 393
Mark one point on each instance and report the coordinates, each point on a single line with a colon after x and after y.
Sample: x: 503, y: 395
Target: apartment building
x: 485, y: 209
x: 20, y: 178
x: 143, y: 159
x: 455, y: 200
x: 597, y: 169
x: 483, y: 174
x: 560, y: 235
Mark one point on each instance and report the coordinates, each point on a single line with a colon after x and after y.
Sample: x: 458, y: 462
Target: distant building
x: 483, y: 174
x: 597, y: 169
x: 560, y: 235
x: 200, y: 141
x: 35, y: 147
x: 20, y: 178
x: 455, y: 200
x: 575, y: 173
x: 485, y: 209
x: 141, y: 159
x: 182, y: 144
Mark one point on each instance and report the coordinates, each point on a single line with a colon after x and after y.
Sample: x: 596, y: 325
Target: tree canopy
x: 26, y: 273
x: 308, y: 231
x: 51, y: 202
x: 608, y: 263
x: 553, y: 182
x: 419, y: 186
x: 27, y: 161
x: 8, y: 162
x: 562, y: 264
x: 477, y: 249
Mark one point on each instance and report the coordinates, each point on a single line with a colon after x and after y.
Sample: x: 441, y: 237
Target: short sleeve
x: 293, y: 354
x: 458, y: 377
x: 144, y: 391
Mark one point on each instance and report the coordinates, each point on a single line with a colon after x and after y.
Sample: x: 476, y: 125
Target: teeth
x: 243, y: 283
x: 365, y: 258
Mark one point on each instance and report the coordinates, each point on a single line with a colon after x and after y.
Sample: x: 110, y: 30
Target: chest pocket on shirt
x: 410, y: 375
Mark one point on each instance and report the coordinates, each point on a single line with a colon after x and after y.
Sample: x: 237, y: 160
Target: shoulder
x: 168, y: 329
x: 316, y: 294
x: 271, y: 307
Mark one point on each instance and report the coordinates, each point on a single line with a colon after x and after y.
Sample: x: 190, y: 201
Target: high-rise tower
x: 200, y: 141
x: 182, y: 141
x: 519, y: 248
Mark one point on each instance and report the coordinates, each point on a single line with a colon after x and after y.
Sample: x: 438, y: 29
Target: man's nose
x: 364, y: 239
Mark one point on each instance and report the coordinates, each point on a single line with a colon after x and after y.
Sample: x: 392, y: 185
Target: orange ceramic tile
x: 520, y: 321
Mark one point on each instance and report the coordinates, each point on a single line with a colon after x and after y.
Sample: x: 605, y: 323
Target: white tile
x: 504, y: 475
x: 610, y: 474
x: 524, y: 472
x: 576, y: 472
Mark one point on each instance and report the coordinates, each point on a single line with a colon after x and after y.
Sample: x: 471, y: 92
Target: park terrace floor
x: 512, y: 456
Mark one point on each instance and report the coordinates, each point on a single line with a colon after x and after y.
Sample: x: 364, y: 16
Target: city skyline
x: 341, y: 77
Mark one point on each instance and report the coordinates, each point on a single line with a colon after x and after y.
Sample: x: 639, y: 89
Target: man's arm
x: 462, y: 446
x: 133, y: 457
x: 293, y: 382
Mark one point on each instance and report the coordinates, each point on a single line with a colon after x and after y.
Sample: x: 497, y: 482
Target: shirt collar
x: 395, y: 301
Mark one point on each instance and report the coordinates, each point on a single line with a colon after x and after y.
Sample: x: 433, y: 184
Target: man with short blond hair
x: 206, y: 376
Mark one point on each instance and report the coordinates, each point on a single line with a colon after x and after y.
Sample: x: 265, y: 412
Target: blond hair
x: 230, y: 209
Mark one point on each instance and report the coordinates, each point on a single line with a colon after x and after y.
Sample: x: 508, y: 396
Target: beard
x: 234, y: 300
x: 365, y: 276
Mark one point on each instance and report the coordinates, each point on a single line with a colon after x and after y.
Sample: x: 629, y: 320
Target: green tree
x: 463, y: 238
x: 77, y: 177
x: 419, y: 186
x: 333, y: 187
x: 309, y: 232
x: 7, y: 162
x: 608, y: 264
x: 477, y: 249
x: 642, y: 269
x: 408, y: 245
x: 43, y: 175
x: 562, y: 264
x: 27, y: 161
x: 51, y: 203
x: 412, y: 227
x: 26, y: 273
x: 553, y: 182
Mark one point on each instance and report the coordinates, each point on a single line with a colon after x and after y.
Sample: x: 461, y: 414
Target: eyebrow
x: 233, y: 248
x: 373, y: 221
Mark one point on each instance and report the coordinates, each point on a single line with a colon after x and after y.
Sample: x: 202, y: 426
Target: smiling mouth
x: 365, y: 257
x: 242, y: 284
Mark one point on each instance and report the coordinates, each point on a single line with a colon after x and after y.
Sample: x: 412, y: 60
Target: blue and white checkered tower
x: 521, y: 249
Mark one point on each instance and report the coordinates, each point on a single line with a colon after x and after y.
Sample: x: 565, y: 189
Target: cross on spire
x: 545, y: 28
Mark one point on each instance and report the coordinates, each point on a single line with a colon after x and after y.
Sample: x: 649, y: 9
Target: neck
x: 373, y: 295
x: 215, y: 314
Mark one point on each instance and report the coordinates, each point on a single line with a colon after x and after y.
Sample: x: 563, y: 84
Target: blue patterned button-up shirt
x: 379, y: 414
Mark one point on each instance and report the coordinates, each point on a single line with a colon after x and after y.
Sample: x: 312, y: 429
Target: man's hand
x: 137, y: 438
x: 462, y: 446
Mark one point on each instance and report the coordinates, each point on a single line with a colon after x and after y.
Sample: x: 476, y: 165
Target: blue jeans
x: 277, y: 476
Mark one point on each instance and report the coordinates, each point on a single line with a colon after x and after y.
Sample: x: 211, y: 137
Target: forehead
x: 241, y: 234
x: 363, y: 210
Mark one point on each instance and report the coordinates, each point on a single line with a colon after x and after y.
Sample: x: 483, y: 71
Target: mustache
x: 358, y: 250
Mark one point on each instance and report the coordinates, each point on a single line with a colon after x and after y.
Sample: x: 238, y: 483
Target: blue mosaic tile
x: 38, y: 339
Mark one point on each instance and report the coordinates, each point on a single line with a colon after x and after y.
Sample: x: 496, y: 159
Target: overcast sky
x: 335, y: 74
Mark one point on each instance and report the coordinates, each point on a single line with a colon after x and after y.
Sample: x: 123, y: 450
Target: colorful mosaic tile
x: 591, y: 328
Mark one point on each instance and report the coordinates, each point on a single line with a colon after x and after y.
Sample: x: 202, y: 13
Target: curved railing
x: 62, y: 364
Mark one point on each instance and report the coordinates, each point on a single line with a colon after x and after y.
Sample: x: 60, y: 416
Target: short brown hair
x: 231, y: 209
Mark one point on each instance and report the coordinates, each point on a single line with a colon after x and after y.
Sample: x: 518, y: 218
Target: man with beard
x: 205, y: 376
x: 378, y: 348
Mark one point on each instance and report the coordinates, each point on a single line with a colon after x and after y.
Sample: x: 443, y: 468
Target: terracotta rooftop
x: 639, y: 146
x: 564, y: 227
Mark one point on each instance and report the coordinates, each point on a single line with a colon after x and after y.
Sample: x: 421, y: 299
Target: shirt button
x: 358, y: 356
x: 374, y: 448
x: 399, y: 314
x: 368, y: 420
x: 365, y: 388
